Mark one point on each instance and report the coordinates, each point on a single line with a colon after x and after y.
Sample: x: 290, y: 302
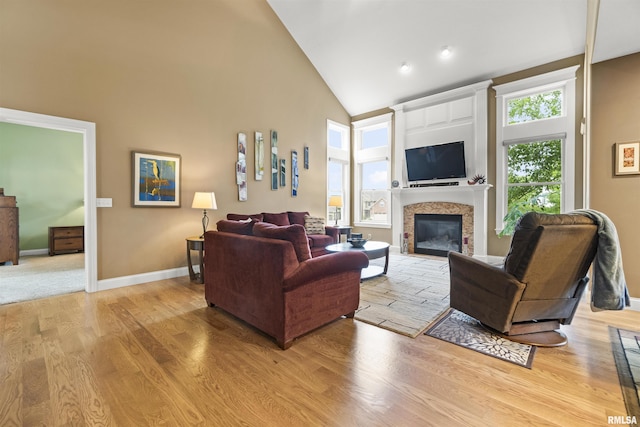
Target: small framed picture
x: 627, y: 158
x: 156, y: 179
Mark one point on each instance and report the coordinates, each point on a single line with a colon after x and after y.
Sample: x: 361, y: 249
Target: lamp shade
x: 204, y: 201
x: 335, y: 201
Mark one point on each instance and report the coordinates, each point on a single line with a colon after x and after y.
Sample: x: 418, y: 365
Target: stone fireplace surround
x: 468, y: 200
x: 439, y: 208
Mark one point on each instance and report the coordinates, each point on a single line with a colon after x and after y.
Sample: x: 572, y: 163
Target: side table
x: 196, y: 243
x: 343, y: 229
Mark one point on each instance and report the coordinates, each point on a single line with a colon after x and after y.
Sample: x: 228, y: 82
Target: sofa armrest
x: 483, y: 291
x: 333, y: 232
x: 324, y: 266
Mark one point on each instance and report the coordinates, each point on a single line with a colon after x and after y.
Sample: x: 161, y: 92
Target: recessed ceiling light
x: 445, y: 51
x: 405, y: 67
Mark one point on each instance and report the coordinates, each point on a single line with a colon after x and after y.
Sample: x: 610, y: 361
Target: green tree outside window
x: 534, y: 168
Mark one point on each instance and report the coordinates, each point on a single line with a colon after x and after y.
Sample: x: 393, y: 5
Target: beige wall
x: 615, y: 112
x: 177, y: 77
x: 500, y: 245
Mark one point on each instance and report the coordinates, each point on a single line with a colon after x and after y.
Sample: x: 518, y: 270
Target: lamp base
x: 205, y: 223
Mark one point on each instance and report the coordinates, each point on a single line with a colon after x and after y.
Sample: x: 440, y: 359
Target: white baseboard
x: 137, y: 279
x: 33, y: 252
x: 490, y: 259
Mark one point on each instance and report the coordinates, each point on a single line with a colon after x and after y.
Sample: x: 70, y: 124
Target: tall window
x: 338, y: 169
x: 535, y: 146
x: 372, y: 156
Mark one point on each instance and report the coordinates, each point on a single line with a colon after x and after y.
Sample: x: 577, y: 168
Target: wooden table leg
x: 192, y: 274
x: 386, y: 261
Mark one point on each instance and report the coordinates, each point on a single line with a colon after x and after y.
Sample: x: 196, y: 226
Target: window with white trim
x: 372, y: 156
x: 535, y: 146
x: 338, y: 171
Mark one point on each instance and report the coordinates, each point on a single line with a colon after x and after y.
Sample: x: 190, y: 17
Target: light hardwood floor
x: 155, y: 354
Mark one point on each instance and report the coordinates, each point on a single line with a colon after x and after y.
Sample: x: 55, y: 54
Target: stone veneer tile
x: 440, y: 208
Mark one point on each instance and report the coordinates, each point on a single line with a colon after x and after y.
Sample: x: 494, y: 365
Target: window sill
x: 371, y: 225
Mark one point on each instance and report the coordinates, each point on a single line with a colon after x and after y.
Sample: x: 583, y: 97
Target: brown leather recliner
x: 540, y: 284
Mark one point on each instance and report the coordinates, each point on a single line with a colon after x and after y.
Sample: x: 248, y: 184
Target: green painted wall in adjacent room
x: 44, y: 169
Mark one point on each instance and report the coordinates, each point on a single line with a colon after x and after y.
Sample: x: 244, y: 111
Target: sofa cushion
x: 297, y: 217
x: 293, y: 233
x: 237, y: 227
x: 239, y: 217
x: 281, y: 218
x: 314, y: 224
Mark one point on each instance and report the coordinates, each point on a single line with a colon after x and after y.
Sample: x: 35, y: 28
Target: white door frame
x: 88, y: 131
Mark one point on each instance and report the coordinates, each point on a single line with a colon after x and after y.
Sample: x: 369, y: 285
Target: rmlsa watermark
x: 622, y: 420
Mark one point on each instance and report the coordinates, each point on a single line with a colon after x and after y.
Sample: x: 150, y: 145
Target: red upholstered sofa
x: 317, y: 242
x: 264, y: 274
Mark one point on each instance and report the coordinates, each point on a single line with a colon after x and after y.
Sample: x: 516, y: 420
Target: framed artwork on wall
x: 241, y: 167
x: 274, y: 160
x: 627, y: 158
x: 283, y: 173
x: 306, y: 157
x: 294, y: 173
x: 259, y: 156
x: 156, y: 179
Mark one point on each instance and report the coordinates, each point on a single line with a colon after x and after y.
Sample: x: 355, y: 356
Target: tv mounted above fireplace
x: 440, y: 161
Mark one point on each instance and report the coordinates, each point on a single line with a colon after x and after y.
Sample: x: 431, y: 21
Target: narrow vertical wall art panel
x: 241, y: 167
x: 294, y: 173
x: 283, y: 173
x: 259, y: 156
x: 274, y: 160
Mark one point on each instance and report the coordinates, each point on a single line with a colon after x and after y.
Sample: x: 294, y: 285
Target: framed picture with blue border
x: 156, y: 179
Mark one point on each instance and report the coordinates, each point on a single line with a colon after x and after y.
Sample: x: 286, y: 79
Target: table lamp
x: 336, y: 202
x: 204, y: 201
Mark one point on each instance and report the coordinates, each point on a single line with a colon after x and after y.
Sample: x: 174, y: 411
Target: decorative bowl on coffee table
x: 357, y: 243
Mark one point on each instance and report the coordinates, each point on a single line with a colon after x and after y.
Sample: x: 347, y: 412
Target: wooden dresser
x: 9, y: 242
x: 66, y: 239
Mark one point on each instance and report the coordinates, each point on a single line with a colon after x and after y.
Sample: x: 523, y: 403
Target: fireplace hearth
x: 437, y: 234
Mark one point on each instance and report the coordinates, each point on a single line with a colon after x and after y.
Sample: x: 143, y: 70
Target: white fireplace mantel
x: 456, y: 115
x: 474, y: 195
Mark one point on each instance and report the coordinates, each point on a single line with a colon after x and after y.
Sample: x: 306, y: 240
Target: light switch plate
x: 104, y: 203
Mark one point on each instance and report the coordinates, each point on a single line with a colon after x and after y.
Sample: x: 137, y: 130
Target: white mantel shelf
x: 474, y: 195
x: 442, y: 189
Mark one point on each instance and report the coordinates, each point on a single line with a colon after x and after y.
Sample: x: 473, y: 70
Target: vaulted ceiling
x: 358, y: 46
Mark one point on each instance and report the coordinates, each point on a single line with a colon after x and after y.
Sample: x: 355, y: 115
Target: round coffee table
x: 372, y: 250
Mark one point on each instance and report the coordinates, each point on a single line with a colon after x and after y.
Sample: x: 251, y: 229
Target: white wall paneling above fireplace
x: 455, y: 115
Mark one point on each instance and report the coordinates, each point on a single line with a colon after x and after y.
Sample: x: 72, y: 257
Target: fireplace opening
x: 437, y: 234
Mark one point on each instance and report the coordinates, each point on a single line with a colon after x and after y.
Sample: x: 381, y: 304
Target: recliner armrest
x: 324, y: 266
x: 483, y: 291
x: 486, y: 276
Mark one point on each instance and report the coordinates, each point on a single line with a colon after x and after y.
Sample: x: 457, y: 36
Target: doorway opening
x: 88, y: 132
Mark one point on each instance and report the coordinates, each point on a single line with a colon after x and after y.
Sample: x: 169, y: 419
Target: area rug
x: 458, y: 328
x: 41, y: 276
x: 626, y: 353
x: 413, y: 293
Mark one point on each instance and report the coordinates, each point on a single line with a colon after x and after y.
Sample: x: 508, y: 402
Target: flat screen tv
x: 440, y: 161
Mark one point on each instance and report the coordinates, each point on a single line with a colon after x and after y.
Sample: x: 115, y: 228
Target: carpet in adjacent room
x: 42, y: 276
